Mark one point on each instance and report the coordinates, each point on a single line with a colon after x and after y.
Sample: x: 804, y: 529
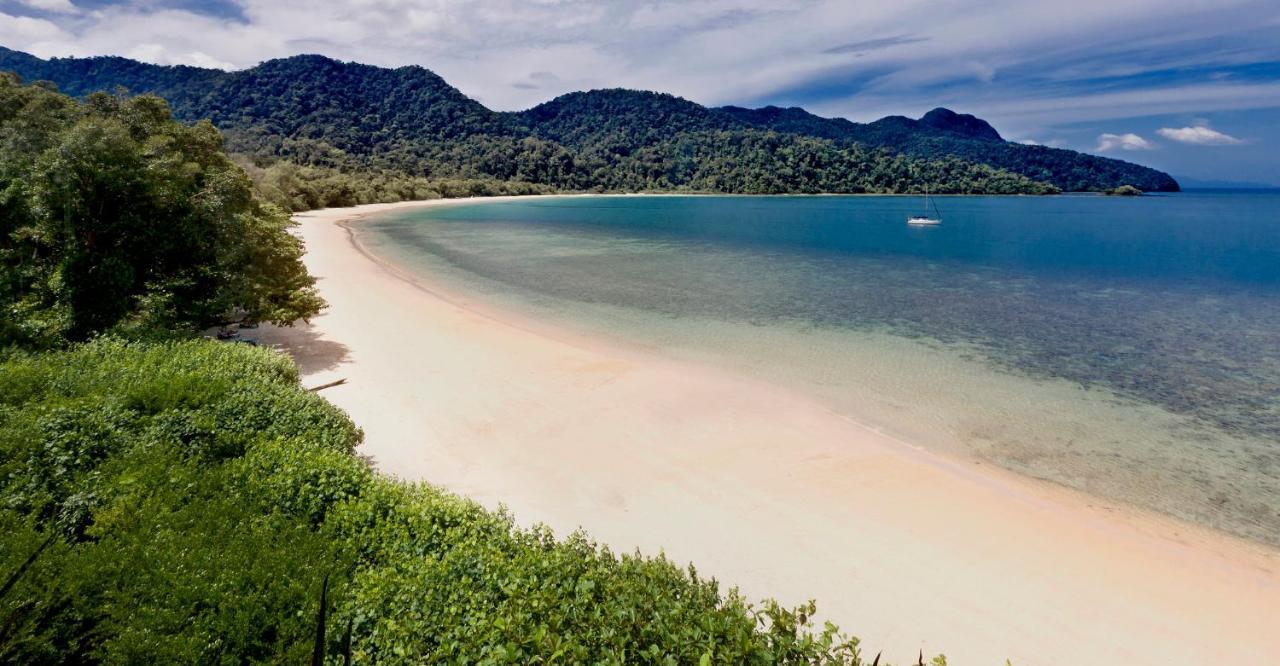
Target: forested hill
x: 305, y: 106
x: 315, y: 111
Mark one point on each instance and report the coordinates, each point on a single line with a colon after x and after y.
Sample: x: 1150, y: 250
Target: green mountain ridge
x: 313, y: 110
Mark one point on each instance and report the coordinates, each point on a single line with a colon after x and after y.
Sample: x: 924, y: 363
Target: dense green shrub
x: 188, y: 500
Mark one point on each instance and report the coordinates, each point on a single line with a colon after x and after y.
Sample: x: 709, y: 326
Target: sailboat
x: 925, y: 220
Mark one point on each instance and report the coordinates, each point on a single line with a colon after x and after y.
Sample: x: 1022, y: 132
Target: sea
x: 1128, y: 347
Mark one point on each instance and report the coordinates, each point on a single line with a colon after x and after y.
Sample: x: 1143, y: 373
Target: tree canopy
x: 113, y: 214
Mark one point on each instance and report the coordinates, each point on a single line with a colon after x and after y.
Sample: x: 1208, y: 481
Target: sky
x: 1188, y: 86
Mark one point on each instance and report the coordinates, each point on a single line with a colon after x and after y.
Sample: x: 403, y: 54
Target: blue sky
x: 1189, y: 87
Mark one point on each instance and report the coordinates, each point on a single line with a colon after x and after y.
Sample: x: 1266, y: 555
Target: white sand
x: 766, y: 490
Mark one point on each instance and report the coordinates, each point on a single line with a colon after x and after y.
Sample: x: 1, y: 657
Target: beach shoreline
x: 762, y: 488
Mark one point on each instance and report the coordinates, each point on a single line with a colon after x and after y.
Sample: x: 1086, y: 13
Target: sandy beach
x: 765, y: 489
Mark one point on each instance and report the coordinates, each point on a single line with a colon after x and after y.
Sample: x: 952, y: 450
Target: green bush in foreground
x: 185, y: 502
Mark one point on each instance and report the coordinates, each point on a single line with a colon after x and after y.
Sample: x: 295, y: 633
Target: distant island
x: 313, y: 132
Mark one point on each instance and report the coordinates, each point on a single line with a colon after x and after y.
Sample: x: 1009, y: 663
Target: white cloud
x: 1129, y: 141
x: 1199, y: 135
x: 53, y: 6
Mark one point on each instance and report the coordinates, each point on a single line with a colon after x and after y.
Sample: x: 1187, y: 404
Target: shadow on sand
x: 312, y: 352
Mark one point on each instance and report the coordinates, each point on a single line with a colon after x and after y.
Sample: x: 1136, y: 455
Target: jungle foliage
x: 112, y: 215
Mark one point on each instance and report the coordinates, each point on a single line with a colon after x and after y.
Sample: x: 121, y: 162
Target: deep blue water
x: 1172, y: 300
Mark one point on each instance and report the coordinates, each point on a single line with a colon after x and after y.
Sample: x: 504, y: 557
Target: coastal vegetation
x: 1124, y: 191
x: 298, y: 188
x: 386, y: 133
x: 169, y: 499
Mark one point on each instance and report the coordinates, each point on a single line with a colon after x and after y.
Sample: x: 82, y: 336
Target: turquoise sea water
x: 1127, y: 347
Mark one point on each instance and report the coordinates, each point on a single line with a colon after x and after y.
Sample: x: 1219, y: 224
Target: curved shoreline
x: 902, y: 547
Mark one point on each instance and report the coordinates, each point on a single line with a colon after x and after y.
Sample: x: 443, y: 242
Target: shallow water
x: 1126, y: 347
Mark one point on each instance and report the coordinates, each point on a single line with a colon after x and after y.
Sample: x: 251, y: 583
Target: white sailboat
x: 925, y: 220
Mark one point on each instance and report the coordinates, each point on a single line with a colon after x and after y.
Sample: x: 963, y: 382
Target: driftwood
x: 329, y: 385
